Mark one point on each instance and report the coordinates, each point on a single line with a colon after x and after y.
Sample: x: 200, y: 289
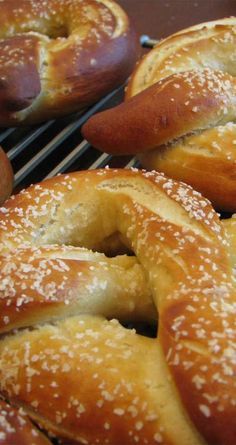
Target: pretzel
x: 210, y: 44
x: 88, y: 379
x: 59, y: 56
x: 230, y: 229
x: 16, y: 428
x: 180, y: 109
x: 6, y: 176
x: 121, y: 290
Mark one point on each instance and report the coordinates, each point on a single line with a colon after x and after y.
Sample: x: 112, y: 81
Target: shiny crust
x: 6, y: 176
x: 209, y: 44
x: 84, y: 370
x: 212, y: 152
x: 121, y: 291
x: 230, y: 229
x: 16, y: 428
x: 60, y: 56
x: 164, y: 112
x: 184, y: 90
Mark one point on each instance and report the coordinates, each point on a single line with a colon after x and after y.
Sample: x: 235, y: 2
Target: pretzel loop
x: 180, y: 110
x: 58, y: 57
x: 84, y: 370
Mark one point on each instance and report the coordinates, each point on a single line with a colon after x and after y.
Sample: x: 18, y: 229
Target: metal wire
x: 57, y: 146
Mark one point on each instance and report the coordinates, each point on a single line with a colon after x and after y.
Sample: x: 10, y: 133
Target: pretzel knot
x: 180, y: 110
x: 77, y: 371
x: 59, y: 56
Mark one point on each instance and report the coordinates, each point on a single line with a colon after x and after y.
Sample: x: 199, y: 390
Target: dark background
x: 159, y: 18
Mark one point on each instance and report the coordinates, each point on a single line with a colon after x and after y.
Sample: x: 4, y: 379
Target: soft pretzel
x: 16, y: 428
x: 210, y: 44
x: 59, y: 56
x: 230, y: 229
x: 90, y: 380
x: 121, y: 290
x: 182, y: 118
x: 6, y: 176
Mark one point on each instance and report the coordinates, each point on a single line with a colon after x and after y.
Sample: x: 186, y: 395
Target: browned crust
x: 6, y: 176
x: 230, y: 228
x: 209, y: 44
x: 188, y: 374
x: 125, y: 296
x: 173, y: 107
x: 44, y: 75
x: 212, y: 152
x: 19, y: 79
x: 16, y: 428
x: 166, y: 102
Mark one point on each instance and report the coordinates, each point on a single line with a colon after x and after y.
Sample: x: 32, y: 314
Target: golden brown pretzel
x: 16, y: 428
x: 6, y: 176
x: 91, y: 380
x: 120, y: 291
x: 230, y: 229
x: 59, y: 56
x: 182, y: 118
x: 210, y: 44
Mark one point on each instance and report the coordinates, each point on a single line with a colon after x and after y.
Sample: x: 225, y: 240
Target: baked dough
x: 87, y: 378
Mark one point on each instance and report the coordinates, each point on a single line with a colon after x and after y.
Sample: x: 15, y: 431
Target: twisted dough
x: 181, y: 119
x: 210, y: 44
x: 59, y: 56
x: 114, y: 287
x: 90, y: 380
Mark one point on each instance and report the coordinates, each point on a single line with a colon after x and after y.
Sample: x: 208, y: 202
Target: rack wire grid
x: 57, y: 146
